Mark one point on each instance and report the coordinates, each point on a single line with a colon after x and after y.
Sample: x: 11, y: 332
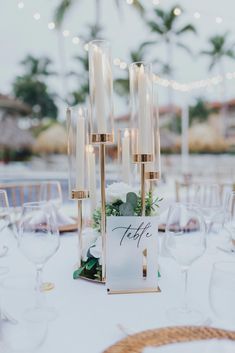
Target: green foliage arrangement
x: 91, y: 268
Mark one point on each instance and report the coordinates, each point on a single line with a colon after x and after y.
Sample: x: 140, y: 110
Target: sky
x: 21, y: 34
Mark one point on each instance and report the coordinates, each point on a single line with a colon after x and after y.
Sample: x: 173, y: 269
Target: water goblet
x: 221, y: 292
x: 4, y: 223
x: 39, y: 241
x: 185, y: 242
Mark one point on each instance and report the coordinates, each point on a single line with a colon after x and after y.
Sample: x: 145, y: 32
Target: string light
x: 197, y: 15
x: 37, y: 16
x: 177, y: 11
x: 206, y: 83
x: 51, y: 25
x: 117, y: 61
x: 20, y: 5
x: 76, y: 40
x: 86, y: 46
x: 66, y: 33
x: 123, y: 65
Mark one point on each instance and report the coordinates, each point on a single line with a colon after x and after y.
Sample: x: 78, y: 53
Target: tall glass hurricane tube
x: 77, y: 141
x: 101, y: 89
x: 141, y: 97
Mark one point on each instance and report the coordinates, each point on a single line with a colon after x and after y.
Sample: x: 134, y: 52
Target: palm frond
x: 148, y: 43
x: 187, y: 28
x: 155, y: 27
x: 61, y: 10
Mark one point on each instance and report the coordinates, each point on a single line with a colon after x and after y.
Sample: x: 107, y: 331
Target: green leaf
x: 126, y: 209
x: 91, y: 264
x: 78, y: 272
x: 132, y: 198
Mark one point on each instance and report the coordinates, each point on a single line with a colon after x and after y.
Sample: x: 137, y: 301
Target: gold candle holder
x: 102, y: 140
x: 142, y: 159
x: 80, y: 195
x: 76, y: 143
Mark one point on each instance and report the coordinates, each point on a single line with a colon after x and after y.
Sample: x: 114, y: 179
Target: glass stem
x: 185, y: 301
x: 39, y: 270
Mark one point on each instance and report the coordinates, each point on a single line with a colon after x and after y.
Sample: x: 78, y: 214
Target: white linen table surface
x: 88, y: 318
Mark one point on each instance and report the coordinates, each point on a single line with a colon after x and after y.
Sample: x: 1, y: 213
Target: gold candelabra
x: 142, y: 159
x: 102, y: 140
x: 80, y: 195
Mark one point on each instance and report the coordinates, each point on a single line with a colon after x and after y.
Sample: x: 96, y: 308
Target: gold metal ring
x: 80, y: 194
x: 102, y: 138
x: 152, y: 175
x: 142, y: 158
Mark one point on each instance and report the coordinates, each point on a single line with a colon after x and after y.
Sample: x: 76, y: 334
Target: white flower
x: 89, y: 237
x: 96, y: 249
x: 118, y: 191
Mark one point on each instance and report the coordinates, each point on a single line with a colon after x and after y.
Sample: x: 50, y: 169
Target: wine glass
x: 185, y: 242
x: 18, y: 332
x: 221, y: 291
x: 207, y: 197
x: 4, y: 223
x: 50, y: 191
x: 38, y: 241
x: 229, y: 224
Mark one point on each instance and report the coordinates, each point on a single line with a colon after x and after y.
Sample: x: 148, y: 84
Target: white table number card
x: 132, y: 255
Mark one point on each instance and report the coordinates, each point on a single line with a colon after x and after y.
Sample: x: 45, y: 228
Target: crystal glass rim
x: 144, y: 63
x: 101, y: 42
x: 218, y: 266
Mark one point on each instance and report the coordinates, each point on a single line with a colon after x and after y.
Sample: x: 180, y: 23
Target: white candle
x: 91, y: 176
x: 144, y: 113
x: 99, y: 90
x: 80, y: 151
x: 126, y: 157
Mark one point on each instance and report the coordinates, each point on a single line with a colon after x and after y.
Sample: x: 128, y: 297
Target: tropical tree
x: 200, y: 111
x: 32, y: 88
x: 166, y: 29
x: 220, y: 49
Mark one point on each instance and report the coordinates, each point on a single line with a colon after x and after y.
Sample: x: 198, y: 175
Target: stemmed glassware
x: 221, y: 292
x: 185, y: 242
x: 50, y: 191
x: 4, y: 223
x: 207, y: 197
x: 38, y: 241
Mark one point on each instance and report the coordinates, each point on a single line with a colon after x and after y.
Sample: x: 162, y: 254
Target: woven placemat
x: 163, y: 336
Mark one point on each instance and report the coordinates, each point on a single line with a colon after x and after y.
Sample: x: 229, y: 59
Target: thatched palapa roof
x: 53, y: 140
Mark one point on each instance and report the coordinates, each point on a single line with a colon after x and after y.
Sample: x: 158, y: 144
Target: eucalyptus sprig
x: 131, y: 207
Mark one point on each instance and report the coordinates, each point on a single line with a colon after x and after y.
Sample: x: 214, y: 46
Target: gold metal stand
x: 102, y: 140
x: 103, y: 209
x: 80, y: 195
x: 142, y: 178
x: 142, y: 158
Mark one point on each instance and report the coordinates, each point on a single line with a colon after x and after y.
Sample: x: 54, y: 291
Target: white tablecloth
x: 88, y: 318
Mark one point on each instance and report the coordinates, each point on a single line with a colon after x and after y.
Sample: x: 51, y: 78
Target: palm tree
x: 32, y: 89
x: 37, y: 67
x: 219, y: 50
x: 165, y: 27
